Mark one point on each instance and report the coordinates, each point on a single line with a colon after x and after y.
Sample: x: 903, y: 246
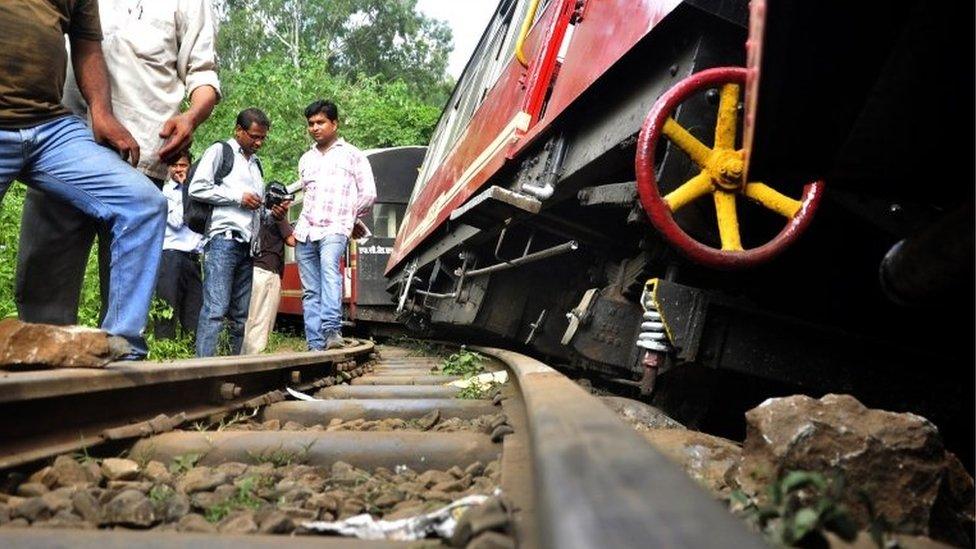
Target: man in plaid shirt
x: 338, y: 185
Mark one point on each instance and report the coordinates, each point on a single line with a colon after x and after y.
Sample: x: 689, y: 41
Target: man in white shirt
x: 231, y: 232
x: 158, y: 52
x: 179, y: 284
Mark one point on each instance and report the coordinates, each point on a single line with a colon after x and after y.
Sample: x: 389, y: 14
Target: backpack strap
x: 226, y: 163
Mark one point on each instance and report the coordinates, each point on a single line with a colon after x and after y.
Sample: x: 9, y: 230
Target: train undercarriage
x: 875, y: 299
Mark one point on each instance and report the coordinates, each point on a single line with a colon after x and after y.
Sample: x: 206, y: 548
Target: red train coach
x: 364, y: 288
x: 693, y: 198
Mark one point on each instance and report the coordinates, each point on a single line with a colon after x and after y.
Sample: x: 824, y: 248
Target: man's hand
x: 178, y: 132
x: 279, y: 211
x: 358, y: 231
x: 109, y: 131
x: 251, y: 201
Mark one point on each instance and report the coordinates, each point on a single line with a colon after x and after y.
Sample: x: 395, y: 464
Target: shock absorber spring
x: 652, y: 336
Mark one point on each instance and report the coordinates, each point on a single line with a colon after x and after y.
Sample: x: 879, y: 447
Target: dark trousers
x: 179, y: 285
x: 55, y: 241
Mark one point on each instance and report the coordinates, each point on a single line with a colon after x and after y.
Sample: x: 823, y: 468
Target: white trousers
x: 265, y: 295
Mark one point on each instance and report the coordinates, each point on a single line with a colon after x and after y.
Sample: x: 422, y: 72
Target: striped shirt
x: 338, y: 186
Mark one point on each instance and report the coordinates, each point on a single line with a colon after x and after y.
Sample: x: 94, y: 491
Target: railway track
x: 215, y: 449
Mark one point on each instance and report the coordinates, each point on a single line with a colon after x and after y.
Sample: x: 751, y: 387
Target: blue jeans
x: 318, y: 267
x: 61, y: 159
x: 227, y: 267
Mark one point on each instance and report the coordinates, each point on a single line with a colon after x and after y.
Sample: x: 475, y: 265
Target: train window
x: 494, y: 52
x: 387, y: 219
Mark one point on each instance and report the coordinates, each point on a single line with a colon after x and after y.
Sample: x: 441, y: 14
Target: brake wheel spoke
x: 691, y: 190
x: 695, y: 149
x: 727, y: 115
x: 728, y: 221
x: 772, y: 199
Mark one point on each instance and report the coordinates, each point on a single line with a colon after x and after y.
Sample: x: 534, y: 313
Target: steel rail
x: 598, y: 484
x: 50, y: 412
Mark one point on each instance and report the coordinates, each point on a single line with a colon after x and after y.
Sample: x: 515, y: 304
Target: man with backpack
x: 229, y: 178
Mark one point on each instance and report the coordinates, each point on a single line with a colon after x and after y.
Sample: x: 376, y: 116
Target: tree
x: 386, y: 39
x: 373, y: 112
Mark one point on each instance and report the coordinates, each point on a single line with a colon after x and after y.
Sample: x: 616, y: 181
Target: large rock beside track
x: 895, y: 461
x: 45, y: 346
x: 712, y: 461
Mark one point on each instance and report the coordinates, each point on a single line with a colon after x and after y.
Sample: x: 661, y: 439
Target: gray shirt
x: 157, y: 52
x: 228, y: 214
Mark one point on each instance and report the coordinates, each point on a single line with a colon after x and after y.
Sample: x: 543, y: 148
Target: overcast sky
x: 467, y: 18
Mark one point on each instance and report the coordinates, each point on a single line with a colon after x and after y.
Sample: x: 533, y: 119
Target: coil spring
x: 652, y: 336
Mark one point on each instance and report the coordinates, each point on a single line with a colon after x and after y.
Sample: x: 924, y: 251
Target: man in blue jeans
x: 339, y: 188
x: 50, y: 150
x: 232, y: 231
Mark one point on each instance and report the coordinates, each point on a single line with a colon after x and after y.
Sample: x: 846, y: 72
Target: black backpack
x: 196, y: 213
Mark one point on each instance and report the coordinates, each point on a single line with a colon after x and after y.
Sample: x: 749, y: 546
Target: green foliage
x: 182, y: 346
x: 801, y: 505
x: 10, y: 217
x: 244, y: 498
x: 184, y: 462
x: 477, y: 391
x: 386, y: 39
x: 371, y: 113
x: 418, y: 347
x: 463, y: 363
x: 160, y: 493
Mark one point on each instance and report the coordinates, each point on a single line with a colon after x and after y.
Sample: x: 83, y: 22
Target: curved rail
x: 598, y: 484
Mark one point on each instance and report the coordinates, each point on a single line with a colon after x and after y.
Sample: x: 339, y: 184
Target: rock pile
x: 232, y: 497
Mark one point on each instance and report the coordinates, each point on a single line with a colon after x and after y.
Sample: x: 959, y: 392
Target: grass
x: 463, y: 363
x: 417, y: 347
x: 244, y: 498
x: 184, y: 462
x: 800, y: 506
x: 285, y: 342
x: 160, y: 493
x: 476, y: 391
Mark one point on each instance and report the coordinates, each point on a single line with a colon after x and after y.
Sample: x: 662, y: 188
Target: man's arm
x: 92, y: 77
x: 178, y: 130
x: 287, y: 232
x: 196, y: 66
x: 203, y: 188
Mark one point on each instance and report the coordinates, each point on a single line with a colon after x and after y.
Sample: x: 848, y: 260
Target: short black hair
x: 328, y: 108
x: 185, y: 153
x: 250, y: 116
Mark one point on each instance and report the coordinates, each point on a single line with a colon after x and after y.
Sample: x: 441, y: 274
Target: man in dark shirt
x: 269, y: 265
x: 44, y: 146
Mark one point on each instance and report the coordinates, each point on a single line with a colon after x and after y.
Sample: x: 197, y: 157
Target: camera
x: 276, y: 193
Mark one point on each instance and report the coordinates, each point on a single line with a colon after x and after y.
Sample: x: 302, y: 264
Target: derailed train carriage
x: 711, y: 201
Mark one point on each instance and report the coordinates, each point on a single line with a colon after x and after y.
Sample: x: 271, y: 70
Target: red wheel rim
x: 660, y: 213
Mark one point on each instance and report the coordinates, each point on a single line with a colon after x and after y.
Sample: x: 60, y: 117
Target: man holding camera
x: 269, y: 265
x: 232, y: 230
